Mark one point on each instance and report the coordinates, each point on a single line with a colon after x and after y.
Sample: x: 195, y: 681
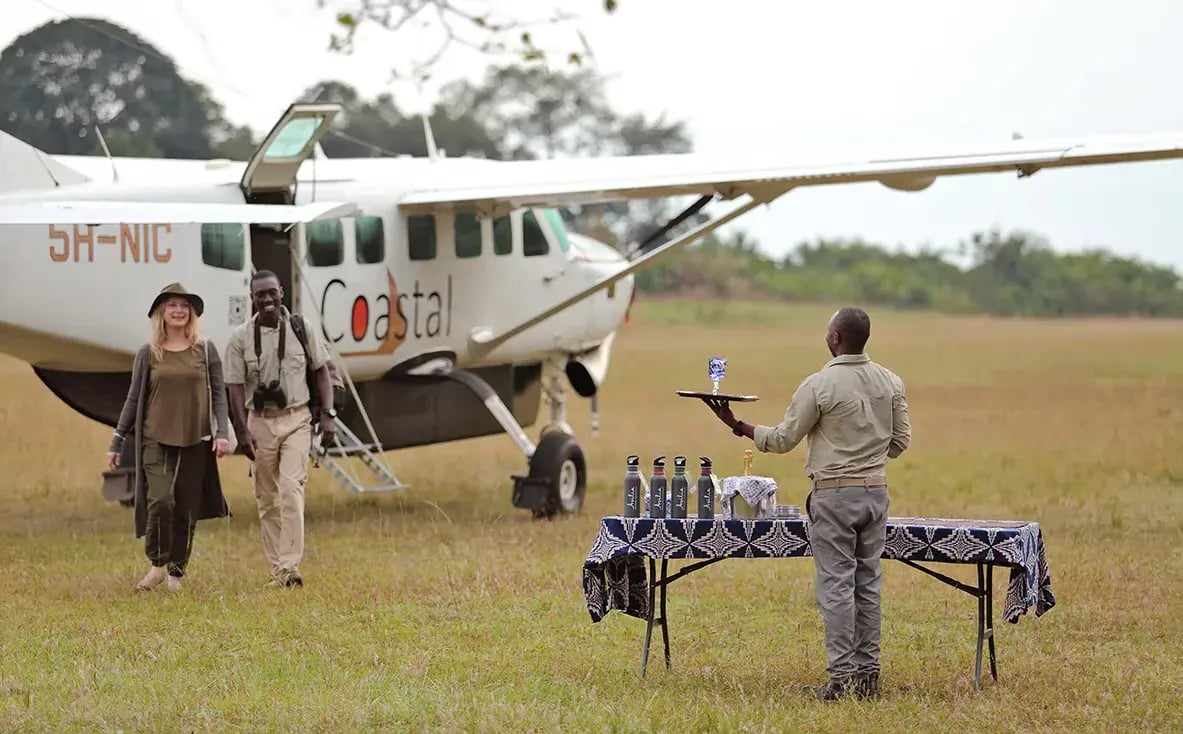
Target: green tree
x: 538, y: 113
x: 1016, y: 274
x: 63, y: 79
x: 514, y: 113
x: 367, y: 128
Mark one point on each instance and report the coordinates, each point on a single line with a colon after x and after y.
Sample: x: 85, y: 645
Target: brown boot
x: 866, y: 686
x: 832, y: 690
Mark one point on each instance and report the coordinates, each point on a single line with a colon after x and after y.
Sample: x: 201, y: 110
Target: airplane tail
x: 25, y: 168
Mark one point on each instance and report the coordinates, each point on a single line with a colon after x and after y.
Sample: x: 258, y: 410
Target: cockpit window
x: 558, y: 227
x: 533, y: 238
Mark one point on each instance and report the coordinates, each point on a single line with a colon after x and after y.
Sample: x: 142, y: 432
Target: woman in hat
x: 176, y: 414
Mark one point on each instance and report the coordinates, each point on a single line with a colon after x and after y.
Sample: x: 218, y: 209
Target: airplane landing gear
x: 557, y: 475
x: 557, y: 480
x: 554, y: 392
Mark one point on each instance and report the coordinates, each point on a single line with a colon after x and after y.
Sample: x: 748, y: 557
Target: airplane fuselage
x: 385, y: 287
x: 389, y: 289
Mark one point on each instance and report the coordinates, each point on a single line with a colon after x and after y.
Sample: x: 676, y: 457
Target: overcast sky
x: 777, y: 77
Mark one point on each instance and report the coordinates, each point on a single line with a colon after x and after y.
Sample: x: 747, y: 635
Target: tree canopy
x: 515, y: 113
x: 63, y: 79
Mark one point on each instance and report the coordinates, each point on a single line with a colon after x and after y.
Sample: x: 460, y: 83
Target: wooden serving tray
x: 720, y: 396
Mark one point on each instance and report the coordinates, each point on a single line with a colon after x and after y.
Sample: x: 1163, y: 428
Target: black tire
x: 559, y: 459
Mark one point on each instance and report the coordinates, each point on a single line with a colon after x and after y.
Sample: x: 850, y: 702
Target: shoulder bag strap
x: 209, y: 394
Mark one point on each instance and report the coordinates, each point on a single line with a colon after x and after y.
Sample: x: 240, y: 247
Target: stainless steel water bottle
x: 679, y: 488
x: 632, y: 487
x: 706, y: 490
x: 657, y: 485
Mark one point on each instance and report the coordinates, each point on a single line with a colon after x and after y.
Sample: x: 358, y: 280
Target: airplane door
x: 271, y: 249
x: 270, y: 175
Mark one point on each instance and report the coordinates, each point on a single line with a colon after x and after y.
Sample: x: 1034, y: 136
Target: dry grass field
x: 444, y: 608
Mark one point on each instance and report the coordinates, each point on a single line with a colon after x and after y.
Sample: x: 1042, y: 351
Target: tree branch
x: 460, y: 24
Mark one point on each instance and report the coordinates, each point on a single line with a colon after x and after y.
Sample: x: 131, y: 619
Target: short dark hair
x: 260, y: 274
x: 854, y: 327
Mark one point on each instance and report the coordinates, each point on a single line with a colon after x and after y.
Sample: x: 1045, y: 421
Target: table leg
x: 652, y: 613
x: 985, y: 596
x: 984, y: 593
x: 990, y: 620
x: 660, y: 615
x: 981, y: 595
x: 665, y: 625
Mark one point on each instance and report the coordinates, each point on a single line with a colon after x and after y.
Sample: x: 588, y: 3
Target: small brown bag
x: 120, y: 485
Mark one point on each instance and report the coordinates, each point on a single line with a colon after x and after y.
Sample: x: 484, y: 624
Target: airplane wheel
x: 559, y: 458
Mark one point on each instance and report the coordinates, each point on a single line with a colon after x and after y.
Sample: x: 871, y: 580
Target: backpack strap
x: 298, y: 328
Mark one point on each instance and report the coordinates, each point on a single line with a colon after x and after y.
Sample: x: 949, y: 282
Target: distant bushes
x: 1012, y: 275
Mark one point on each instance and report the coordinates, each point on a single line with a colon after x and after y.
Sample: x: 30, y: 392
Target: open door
x: 270, y: 175
x: 271, y: 249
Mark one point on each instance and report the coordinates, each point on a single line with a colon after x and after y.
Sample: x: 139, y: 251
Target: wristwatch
x: 331, y: 412
x: 737, y: 429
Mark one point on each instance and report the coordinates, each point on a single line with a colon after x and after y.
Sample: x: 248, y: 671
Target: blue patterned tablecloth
x: 615, y: 574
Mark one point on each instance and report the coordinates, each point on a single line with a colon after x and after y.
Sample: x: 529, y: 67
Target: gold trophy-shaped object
x: 747, y: 462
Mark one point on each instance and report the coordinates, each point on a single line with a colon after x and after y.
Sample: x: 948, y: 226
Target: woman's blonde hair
x: 160, y: 331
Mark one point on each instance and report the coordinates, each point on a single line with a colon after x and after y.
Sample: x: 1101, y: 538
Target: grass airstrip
x: 442, y: 607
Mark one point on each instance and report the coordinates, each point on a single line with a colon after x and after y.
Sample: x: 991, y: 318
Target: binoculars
x: 271, y: 392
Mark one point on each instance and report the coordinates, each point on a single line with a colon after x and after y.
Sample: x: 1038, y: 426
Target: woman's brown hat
x: 176, y: 289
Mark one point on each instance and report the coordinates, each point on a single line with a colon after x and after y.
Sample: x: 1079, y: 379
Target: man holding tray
x: 856, y: 416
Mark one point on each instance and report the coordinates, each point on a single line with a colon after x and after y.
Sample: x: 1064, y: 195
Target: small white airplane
x: 450, y: 291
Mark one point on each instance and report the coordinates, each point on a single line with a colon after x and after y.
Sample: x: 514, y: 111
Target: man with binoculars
x: 267, y: 369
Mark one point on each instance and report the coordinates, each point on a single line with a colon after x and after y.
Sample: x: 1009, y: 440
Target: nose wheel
x: 557, y: 480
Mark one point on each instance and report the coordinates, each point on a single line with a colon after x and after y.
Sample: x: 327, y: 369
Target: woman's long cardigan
x: 131, y: 423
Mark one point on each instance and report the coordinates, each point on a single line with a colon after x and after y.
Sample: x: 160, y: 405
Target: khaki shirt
x: 855, y: 414
x: 244, y: 368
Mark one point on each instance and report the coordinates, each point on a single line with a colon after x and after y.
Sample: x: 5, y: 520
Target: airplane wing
x: 558, y: 183
x: 585, y: 181
x: 153, y: 212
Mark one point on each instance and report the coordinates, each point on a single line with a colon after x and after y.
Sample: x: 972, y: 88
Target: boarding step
x: 352, y: 450
x: 338, y: 459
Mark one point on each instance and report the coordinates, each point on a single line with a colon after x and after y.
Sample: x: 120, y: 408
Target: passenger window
x: 223, y: 246
x: 421, y: 236
x: 502, y: 236
x: 533, y: 240
x: 326, y: 245
x: 371, y: 242
x: 467, y: 232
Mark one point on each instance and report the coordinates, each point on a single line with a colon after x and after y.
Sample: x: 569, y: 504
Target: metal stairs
x: 338, y: 460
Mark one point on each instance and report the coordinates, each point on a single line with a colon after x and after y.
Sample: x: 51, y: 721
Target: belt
x: 850, y: 482
x: 276, y: 412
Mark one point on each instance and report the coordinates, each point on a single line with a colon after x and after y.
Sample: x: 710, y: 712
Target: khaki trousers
x: 283, y: 442
x: 847, y: 533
